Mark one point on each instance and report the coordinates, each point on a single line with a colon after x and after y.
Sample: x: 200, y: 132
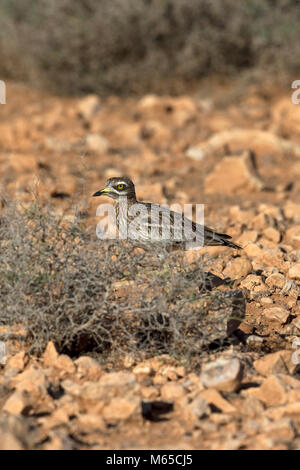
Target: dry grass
x: 103, y: 297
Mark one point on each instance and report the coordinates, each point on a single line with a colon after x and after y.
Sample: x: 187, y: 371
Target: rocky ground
x: 239, y: 157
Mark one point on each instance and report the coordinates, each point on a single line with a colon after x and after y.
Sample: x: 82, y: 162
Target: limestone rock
x: 294, y: 271
x: 275, y: 280
x: 254, y: 283
x: 224, y: 375
x: 120, y: 409
x: 239, y: 176
x: 275, y: 363
x: 272, y: 234
x: 292, y: 211
x: 17, y: 361
x: 90, y: 422
x: 279, y: 314
x: 213, y: 397
x: 197, y: 409
x: 282, y: 430
x: 88, y: 367
x: 272, y: 392
x: 88, y: 106
x: 259, y: 141
x: 238, y: 268
x: 65, y: 364
x: 50, y: 355
x: 96, y: 143
x: 293, y: 236
x: 172, y: 391
x: 16, y: 403
x: 32, y: 381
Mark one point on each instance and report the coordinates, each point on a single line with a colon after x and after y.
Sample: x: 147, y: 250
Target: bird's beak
x: 102, y: 191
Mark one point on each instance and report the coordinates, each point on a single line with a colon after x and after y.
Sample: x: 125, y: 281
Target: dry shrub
x: 125, y: 46
x: 60, y: 283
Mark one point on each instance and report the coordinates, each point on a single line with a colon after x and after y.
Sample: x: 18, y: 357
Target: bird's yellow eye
x: 120, y: 187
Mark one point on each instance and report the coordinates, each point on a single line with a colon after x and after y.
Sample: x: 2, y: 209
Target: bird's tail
x: 225, y: 240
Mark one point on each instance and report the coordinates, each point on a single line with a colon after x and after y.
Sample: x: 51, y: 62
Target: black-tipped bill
x: 98, y: 193
x: 103, y: 191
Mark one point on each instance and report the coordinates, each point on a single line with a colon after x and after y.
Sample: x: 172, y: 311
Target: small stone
x: 275, y: 363
x: 224, y: 375
x: 156, y: 363
x: 88, y: 106
x: 275, y: 413
x: 17, y: 361
x: 254, y: 341
x: 9, y: 442
x: 58, y: 417
x: 272, y: 234
x: 293, y: 236
x: 149, y: 102
x: 293, y: 383
x: 254, y: 283
x: 154, y: 130
x: 108, y: 386
x: 149, y: 393
x: 292, y: 211
x: 237, y: 268
x: 243, y: 217
x: 290, y: 288
x: 213, y: 397
x: 65, y: 364
x: 195, y: 153
x: 172, y: 391
x: 261, y: 442
x: 272, y: 257
x: 31, y: 380
x: 50, y: 355
x: 259, y: 222
x: 180, y: 371
x: 292, y: 408
x: 279, y: 314
x: 57, y: 145
x: 252, y: 407
x: 72, y: 388
x: 266, y: 301
x: 142, y: 369
x: 169, y: 372
x: 16, y: 403
x: 120, y: 409
x: 282, y: 430
x: 252, y: 250
x: 118, y: 380
x: 249, y: 236
x: 276, y: 280
x: 196, y: 410
x: 96, y: 143
x: 246, y: 328
x: 90, y: 422
x: 294, y: 271
x: 272, y: 392
x: 239, y: 172
x: 159, y: 379
x: 128, y: 361
x: 88, y: 367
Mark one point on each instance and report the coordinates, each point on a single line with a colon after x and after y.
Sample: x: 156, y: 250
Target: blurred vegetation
x: 137, y: 46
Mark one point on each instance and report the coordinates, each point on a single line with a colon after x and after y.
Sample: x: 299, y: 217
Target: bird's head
x: 117, y: 187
